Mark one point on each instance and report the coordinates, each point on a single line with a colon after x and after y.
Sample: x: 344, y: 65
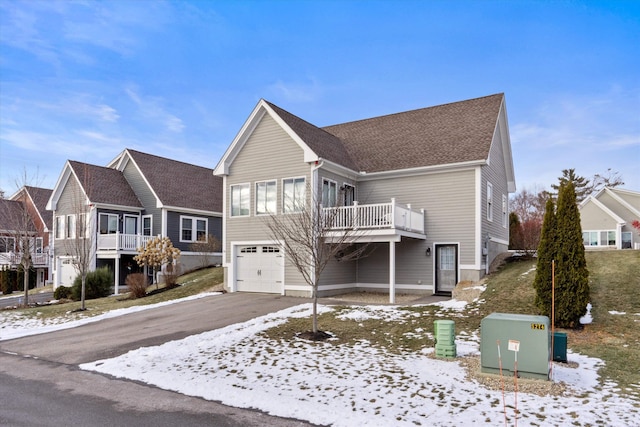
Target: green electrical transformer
x: 509, y: 338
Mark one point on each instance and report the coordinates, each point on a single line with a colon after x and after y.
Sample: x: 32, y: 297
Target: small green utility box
x: 520, y: 337
x: 560, y: 347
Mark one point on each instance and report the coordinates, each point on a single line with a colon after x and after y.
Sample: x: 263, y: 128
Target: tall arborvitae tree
x: 572, y: 276
x: 546, y: 254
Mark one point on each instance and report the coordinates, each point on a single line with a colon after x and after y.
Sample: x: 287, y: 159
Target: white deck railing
x: 374, y: 216
x: 121, y: 242
x: 14, y: 258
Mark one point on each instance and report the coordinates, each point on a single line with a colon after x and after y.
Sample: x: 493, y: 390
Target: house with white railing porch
x: 426, y: 190
x: 25, y: 226
x: 117, y: 208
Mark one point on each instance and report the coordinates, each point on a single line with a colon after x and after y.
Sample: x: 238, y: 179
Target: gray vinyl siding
x: 146, y: 197
x: 214, y: 227
x: 594, y: 218
x: 268, y: 154
x: 68, y: 204
x: 495, y: 173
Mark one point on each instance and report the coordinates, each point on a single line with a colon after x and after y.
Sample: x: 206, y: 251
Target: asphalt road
x: 17, y: 297
x: 41, y: 385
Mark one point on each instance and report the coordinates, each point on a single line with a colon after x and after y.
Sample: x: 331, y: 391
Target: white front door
x: 446, y: 268
x: 67, y: 272
x: 259, y: 269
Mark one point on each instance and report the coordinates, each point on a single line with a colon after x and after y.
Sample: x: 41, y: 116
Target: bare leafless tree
x: 204, y: 248
x: 311, y: 236
x: 17, y: 218
x: 529, y: 206
x: 81, y: 228
x: 610, y: 179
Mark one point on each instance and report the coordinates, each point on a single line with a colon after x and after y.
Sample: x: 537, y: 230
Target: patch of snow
x: 587, y: 319
x: 614, y: 313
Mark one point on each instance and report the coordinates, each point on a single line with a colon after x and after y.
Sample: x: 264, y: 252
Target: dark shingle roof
x: 40, y: 197
x: 105, y: 185
x: 451, y: 133
x: 12, y: 216
x: 323, y: 143
x: 180, y: 184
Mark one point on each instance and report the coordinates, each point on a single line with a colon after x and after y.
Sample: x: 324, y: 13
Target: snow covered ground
x: 353, y: 385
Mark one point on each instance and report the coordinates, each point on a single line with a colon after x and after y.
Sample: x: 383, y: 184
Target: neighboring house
x: 438, y: 177
x: 606, y: 219
x: 137, y: 196
x: 25, y: 214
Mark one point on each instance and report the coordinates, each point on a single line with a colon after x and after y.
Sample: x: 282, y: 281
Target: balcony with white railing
x: 39, y: 259
x: 392, y: 216
x: 121, y: 242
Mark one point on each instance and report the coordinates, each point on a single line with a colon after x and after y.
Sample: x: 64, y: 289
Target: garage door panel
x: 259, y: 269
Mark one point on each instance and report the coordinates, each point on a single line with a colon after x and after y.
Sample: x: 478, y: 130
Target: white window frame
x: 262, y: 191
x: 39, y: 245
x: 11, y: 247
x: 489, y: 202
x: 59, y: 227
x: 598, y: 238
x: 333, y: 200
x: 299, y: 200
x: 143, y: 229
x: 505, y: 211
x: 108, y: 215
x: 70, y: 227
x: 346, y: 193
x: 194, y: 228
x: 242, y: 201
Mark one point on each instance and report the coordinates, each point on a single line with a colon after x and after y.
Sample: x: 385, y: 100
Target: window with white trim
x: 240, y: 200
x: 39, y: 245
x: 329, y: 193
x: 293, y: 194
x: 59, y: 227
x: 348, y: 194
x: 599, y: 238
x: 82, y: 225
x: 108, y: 223
x: 489, y: 201
x: 70, y: 227
x: 266, y: 197
x: 147, y: 225
x: 505, y: 213
x: 193, y: 229
x: 7, y: 244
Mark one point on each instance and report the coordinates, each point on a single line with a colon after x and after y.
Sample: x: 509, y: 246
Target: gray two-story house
x: 430, y: 188
x: 119, y: 207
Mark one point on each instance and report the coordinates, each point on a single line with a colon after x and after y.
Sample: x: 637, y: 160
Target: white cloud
x: 296, y: 91
x: 152, y: 108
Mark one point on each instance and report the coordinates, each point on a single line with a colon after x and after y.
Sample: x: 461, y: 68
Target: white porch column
x: 117, y: 278
x: 392, y: 272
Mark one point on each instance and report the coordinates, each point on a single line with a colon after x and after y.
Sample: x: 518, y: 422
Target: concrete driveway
x: 46, y: 365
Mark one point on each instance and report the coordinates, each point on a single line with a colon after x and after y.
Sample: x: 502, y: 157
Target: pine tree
x: 581, y: 185
x: 572, y: 276
x: 546, y: 254
x: 515, y: 231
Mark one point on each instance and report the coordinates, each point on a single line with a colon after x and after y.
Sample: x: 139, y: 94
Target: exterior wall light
x: 428, y: 251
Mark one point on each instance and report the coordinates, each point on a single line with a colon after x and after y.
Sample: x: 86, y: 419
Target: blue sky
x: 84, y: 80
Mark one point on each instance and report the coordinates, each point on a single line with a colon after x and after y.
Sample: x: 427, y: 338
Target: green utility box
x: 444, y: 333
x: 559, y: 347
x: 520, y: 337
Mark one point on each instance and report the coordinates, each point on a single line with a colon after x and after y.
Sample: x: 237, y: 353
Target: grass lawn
x: 209, y: 279
x: 612, y: 337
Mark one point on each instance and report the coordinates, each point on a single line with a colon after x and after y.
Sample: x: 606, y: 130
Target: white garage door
x: 259, y: 269
x: 67, y: 272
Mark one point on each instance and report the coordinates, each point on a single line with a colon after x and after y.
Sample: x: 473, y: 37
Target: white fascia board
x: 52, y: 204
x: 117, y: 207
x: 262, y: 108
x: 423, y: 170
x: 605, y: 209
x: 182, y: 210
x: 501, y: 132
x: 339, y: 169
x: 623, y: 202
x: 479, y: 220
x: 115, y: 163
x: 125, y: 158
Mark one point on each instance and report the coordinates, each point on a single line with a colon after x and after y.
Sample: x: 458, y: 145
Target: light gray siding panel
x: 269, y: 154
x: 495, y: 173
x: 145, y: 195
x: 594, y: 218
